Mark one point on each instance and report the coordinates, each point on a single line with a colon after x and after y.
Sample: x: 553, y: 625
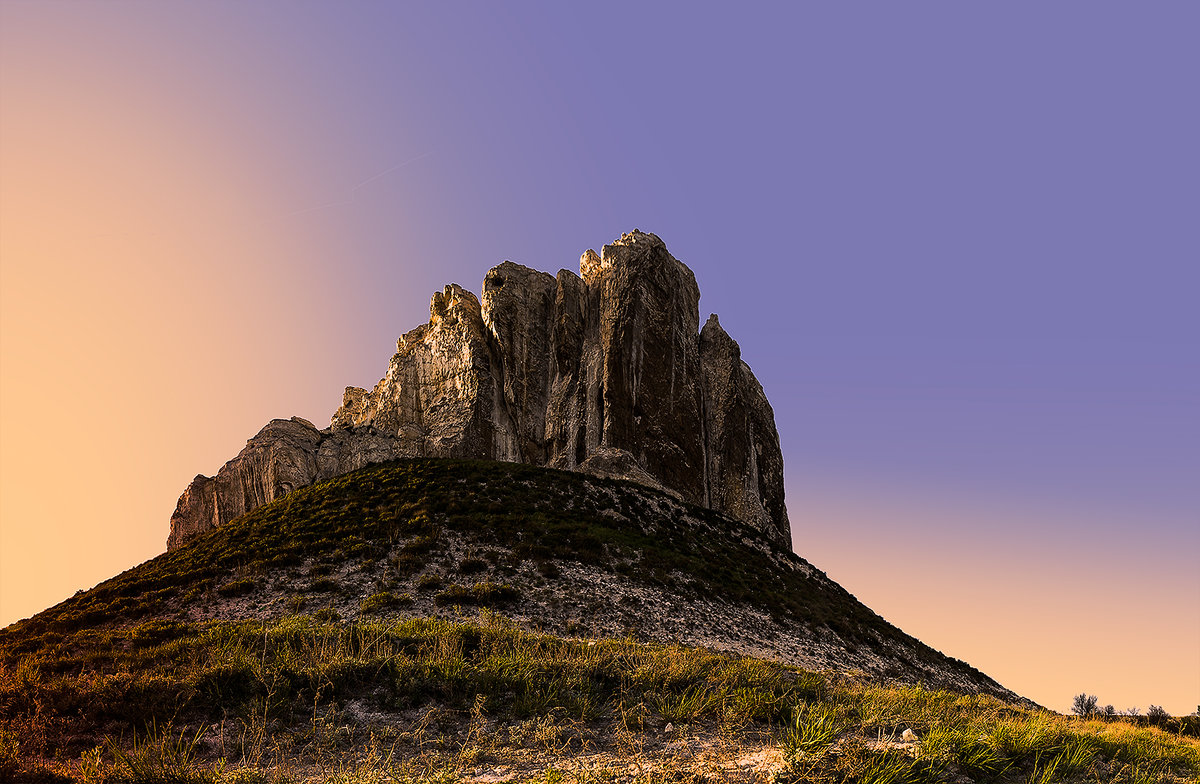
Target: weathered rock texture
x: 284, y: 455
x: 605, y: 372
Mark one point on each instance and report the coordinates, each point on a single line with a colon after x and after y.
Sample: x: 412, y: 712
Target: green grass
x: 237, y: 587
x: 384, y: 600
x: 402, y: 512
x: 140, y: 705
x: 112, y: 686
x: 978, y: 738
x: 280, y: 673
x: 815, y: 729
x: 485, y: 594
x: 159, y: 755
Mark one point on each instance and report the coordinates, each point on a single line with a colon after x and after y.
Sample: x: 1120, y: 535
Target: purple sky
x: 957, y: 244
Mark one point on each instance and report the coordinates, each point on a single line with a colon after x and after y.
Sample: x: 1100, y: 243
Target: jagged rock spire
x: 605, y: 372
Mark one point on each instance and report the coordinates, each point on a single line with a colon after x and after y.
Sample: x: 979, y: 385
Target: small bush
x: 384, y: 600
x: 324, y: 585
x: 481, y: 594
x: 472, y: 566
x: 10, y: 754
x: 408, y: 563
x: 685, y: 706
x: 429, y: 582
x: 812, y: 731
x: 421, y: 545
x: 327, y: 615
x: 891, y: 767
x: 237, y: 587
x: 157, y: 632
x: 160, y: 756
x: 1084, y: 705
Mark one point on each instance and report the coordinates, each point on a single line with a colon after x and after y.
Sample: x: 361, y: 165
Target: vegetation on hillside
x: 426, y: 700
x: 140, y: 680
x: 398, y: 517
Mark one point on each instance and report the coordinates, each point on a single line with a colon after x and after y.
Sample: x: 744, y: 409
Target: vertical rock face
x: 605, y: 372
x: 518, y: 314
x: 744, y: 461
x: 439, y: 395
x: 651, y: 404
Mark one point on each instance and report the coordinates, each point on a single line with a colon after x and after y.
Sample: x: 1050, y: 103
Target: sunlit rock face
x: 605, y: 372
x: 283, y: 456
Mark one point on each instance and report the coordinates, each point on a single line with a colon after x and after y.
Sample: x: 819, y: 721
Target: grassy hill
x: 436, y: 620
x: 558, y: 550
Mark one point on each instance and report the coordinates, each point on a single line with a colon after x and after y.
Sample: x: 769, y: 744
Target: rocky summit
x: 605, y: 372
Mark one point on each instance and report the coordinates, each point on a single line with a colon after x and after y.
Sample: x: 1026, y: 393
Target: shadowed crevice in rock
x: 605, y: 372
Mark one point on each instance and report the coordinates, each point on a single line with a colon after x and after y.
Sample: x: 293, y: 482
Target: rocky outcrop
x: 744, y: 467
x: 284, y: 455
x: 605, y: 372
x: 440, y: 396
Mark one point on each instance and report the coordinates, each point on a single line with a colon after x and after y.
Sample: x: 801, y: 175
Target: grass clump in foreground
x: 858, y: 735
x: 436, y: 700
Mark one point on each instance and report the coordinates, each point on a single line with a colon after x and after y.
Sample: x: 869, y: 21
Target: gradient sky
x: 957, y: 243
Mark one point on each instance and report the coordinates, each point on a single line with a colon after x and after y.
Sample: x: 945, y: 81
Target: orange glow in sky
x: 150, y: 288
x: 962, y: 277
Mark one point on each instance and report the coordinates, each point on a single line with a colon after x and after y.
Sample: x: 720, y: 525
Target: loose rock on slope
x: 605, y: 372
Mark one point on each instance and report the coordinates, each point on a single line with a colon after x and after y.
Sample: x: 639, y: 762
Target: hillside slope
x: 552, y: 550
x: 452, y: 621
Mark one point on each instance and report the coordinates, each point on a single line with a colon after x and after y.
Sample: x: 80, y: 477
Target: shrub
x: 1157, y: 714
x: 455, y: 594
x: 482, y: 594
x: 237, y: 587
x: 10, y: 754
x: 494, y: 594
x: 812, y: 730
x: 472, y: 566
x: 429, y: 582
x: 156, y: 632
x: 159, y: 756
x: 384, y: 600
x: 408, y: 563
x: 324, y: 585
x: 421, y: 545
x: 1084, y: 705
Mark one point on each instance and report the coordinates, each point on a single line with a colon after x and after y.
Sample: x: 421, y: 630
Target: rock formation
x: 605, y: 372
x: 284, y: 455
